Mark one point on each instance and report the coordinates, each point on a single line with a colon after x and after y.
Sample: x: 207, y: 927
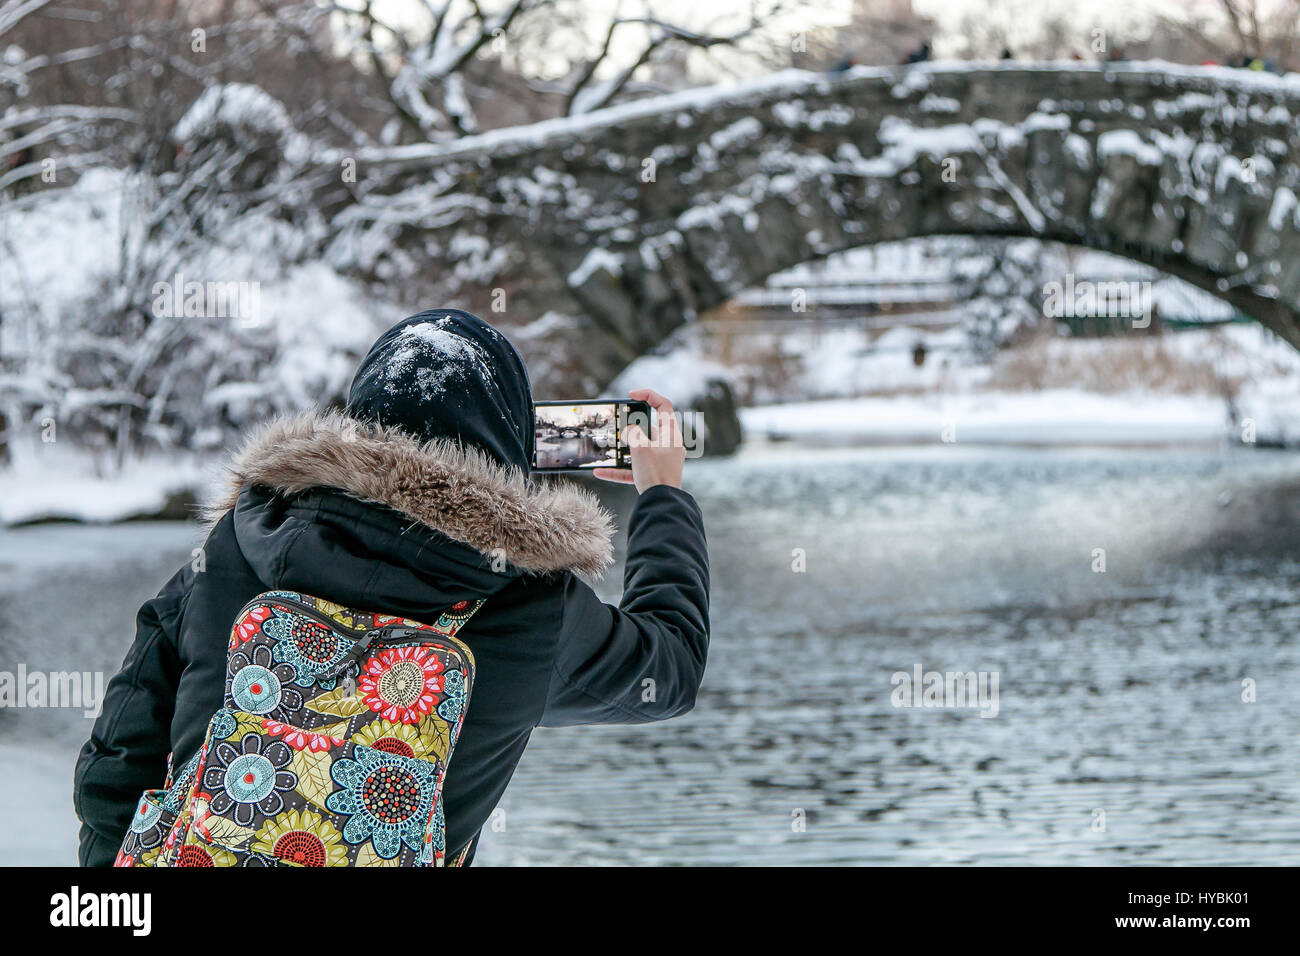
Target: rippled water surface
x: 1119, y: 692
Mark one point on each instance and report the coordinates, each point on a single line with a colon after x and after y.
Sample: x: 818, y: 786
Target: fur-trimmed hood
x: 457, y: 491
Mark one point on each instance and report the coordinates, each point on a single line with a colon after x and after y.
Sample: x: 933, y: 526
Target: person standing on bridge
x: 415, y: 499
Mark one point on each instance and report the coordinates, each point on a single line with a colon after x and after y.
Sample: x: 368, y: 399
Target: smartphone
x: 580, y: 436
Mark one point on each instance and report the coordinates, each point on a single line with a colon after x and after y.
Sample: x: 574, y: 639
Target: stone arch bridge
x: 606, y: 233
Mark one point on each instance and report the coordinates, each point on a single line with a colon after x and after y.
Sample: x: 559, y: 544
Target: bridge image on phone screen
x: 581, y: 435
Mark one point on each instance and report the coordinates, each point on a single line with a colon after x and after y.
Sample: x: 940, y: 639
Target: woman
x: 412, y: 500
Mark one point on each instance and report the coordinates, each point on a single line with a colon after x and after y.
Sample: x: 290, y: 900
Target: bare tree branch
x: 583, y: 97
x: 12, y: 11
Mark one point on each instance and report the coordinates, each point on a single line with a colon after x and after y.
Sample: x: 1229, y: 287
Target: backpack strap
x: 457, y: 616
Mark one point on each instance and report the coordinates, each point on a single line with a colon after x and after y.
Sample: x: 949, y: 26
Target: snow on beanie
x: 445, y: 373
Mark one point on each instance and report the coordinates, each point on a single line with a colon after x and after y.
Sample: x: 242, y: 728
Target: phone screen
x: 578, y: 436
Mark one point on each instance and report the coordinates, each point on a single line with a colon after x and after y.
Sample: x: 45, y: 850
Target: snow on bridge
x: 618, y: 226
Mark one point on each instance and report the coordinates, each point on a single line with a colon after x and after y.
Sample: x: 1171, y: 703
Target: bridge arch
x: 619, y: 227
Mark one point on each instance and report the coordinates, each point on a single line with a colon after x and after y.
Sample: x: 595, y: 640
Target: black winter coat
x: 368, y: 518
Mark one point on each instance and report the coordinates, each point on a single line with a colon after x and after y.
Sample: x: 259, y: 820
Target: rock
x: 720, y: 418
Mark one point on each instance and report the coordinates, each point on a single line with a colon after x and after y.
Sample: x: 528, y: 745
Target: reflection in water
x: 1120, y: 691
x: 573, y: 451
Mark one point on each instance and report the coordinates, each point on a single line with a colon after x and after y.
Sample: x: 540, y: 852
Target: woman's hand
x: 657, y: 459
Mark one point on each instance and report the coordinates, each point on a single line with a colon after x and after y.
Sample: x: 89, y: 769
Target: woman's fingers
x: 622, y: 475
x: 664, y: 419
x: 658, y: 453
x: 636, y: 436
x: 669, y: 430
x: 653, y: 399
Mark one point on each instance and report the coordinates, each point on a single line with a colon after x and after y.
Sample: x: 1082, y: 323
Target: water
x: 1120, y: 692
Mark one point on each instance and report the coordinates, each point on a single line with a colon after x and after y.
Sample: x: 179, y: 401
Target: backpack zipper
x: 373, y: 633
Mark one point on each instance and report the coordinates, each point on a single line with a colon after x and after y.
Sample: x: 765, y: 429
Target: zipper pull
x: 349, y: 685
x: 352, y: 660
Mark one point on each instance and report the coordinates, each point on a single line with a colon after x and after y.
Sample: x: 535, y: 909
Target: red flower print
x: 401, y: 683
x: 301, y: 739
x: 248, y: 625
x: 192, y: 855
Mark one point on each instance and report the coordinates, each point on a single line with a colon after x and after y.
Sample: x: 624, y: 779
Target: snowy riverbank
x: 1234, y: 384
x: 842, y: 384
x: 1048, y: 417
x: 62, y: 487
x: 56, y: 484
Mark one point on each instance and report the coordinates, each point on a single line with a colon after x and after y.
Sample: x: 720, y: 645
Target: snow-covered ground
x: 1047, y: 417
x: 58, y: 483
x: 1235, y: 382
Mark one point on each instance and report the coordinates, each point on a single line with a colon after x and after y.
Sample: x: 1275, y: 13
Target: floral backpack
x: 331, y: 748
